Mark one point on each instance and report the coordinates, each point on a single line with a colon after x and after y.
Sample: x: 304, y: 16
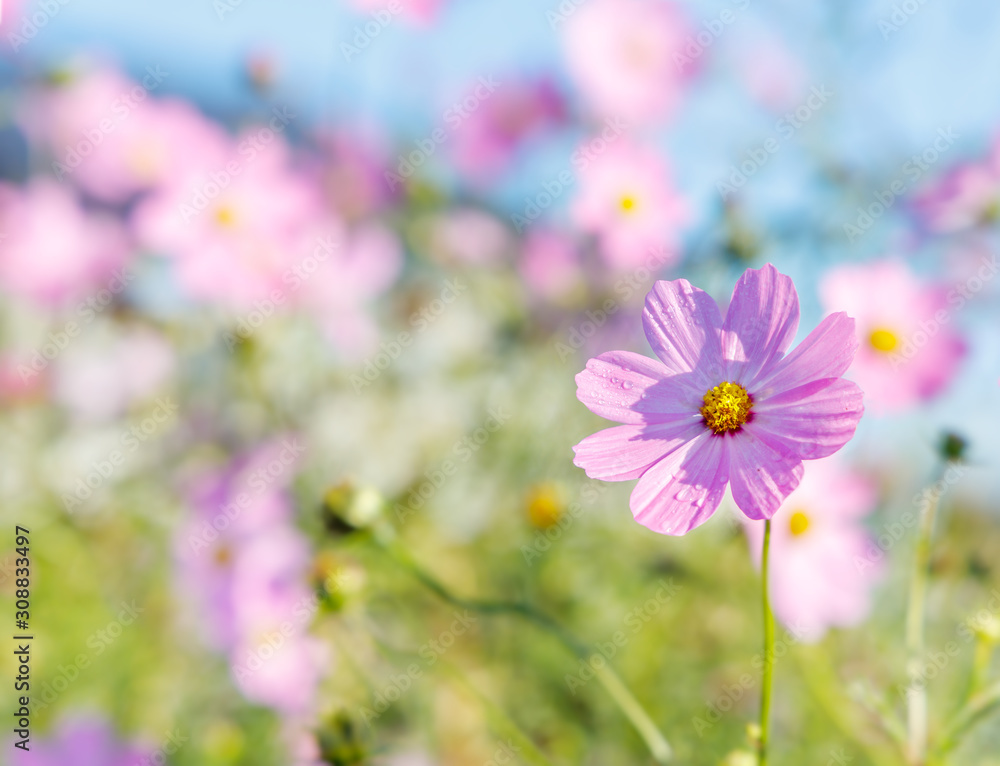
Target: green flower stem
x: 979, y: 707
x: 612, y: 683
x: 765, y: 692
x: 916, y: 698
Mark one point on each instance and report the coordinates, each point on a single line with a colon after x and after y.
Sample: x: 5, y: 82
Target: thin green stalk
x: 979, y: 707
x: 826, y: 689
x: 916, y: 698
x: 765, y: 692
x: 612, y: 683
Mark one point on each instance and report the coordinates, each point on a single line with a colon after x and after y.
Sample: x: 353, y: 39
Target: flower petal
x: 625, y: 452
x: 760, y: 324
x: 683, y: 490
x: 762, y: 474
x: 811, y: 421
x: 826, y: 352
x: 682, y: 325
x: 631, y: 388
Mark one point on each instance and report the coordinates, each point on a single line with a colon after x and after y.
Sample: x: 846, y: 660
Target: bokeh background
x: 292, y: 297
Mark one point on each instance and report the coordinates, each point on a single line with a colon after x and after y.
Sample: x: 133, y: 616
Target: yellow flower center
x: 225, y: 216
x: 883, y: 340
x: 798, y: 524
x: 628, y: 203
x: 545, y: 506
x: 726, y: 407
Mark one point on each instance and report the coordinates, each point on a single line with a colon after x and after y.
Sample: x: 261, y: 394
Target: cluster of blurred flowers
x: 143, y: 222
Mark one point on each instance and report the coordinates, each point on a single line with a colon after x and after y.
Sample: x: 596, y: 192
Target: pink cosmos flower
x: 817, y: 542
x: 51, y: 250
x: 113, y: 138
x: 722, y: 405
x: 909, y: 349
x: 626, y: 199
x: 233, y: 230
x: 968, y: 195
x: 82, y: 742
x: 520, y: 110
x: 621, y: 55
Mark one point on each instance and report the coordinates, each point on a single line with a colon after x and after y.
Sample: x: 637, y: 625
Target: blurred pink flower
x: 621, y: 56
x: 51, y: 249
x: 110, y: 135
x: 467, y: 235
x: 101, y: 377
x: 775, y: 78
x: 909, y: 351
x: 363, y: 265
x: 724, y: 404
x: 821, y: 576
x: 968, y: 195
x: 243, y: 567
x: 234, y: 230
x: 550, y: 263
x: 517, y: 112
x: 352, y: 175
x: 82, y: 741
x: 626, y: 199
x: 232, y: 509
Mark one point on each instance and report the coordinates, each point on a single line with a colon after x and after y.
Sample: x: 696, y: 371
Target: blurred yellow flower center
x: 883, y: 340
x: 628, y: 203
x: 544, y: 505
x: 799, y: 523
x: 225, y: 216
x: 726, y: 407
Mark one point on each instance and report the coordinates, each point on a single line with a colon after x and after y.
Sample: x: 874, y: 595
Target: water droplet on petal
x: 626, y: 385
